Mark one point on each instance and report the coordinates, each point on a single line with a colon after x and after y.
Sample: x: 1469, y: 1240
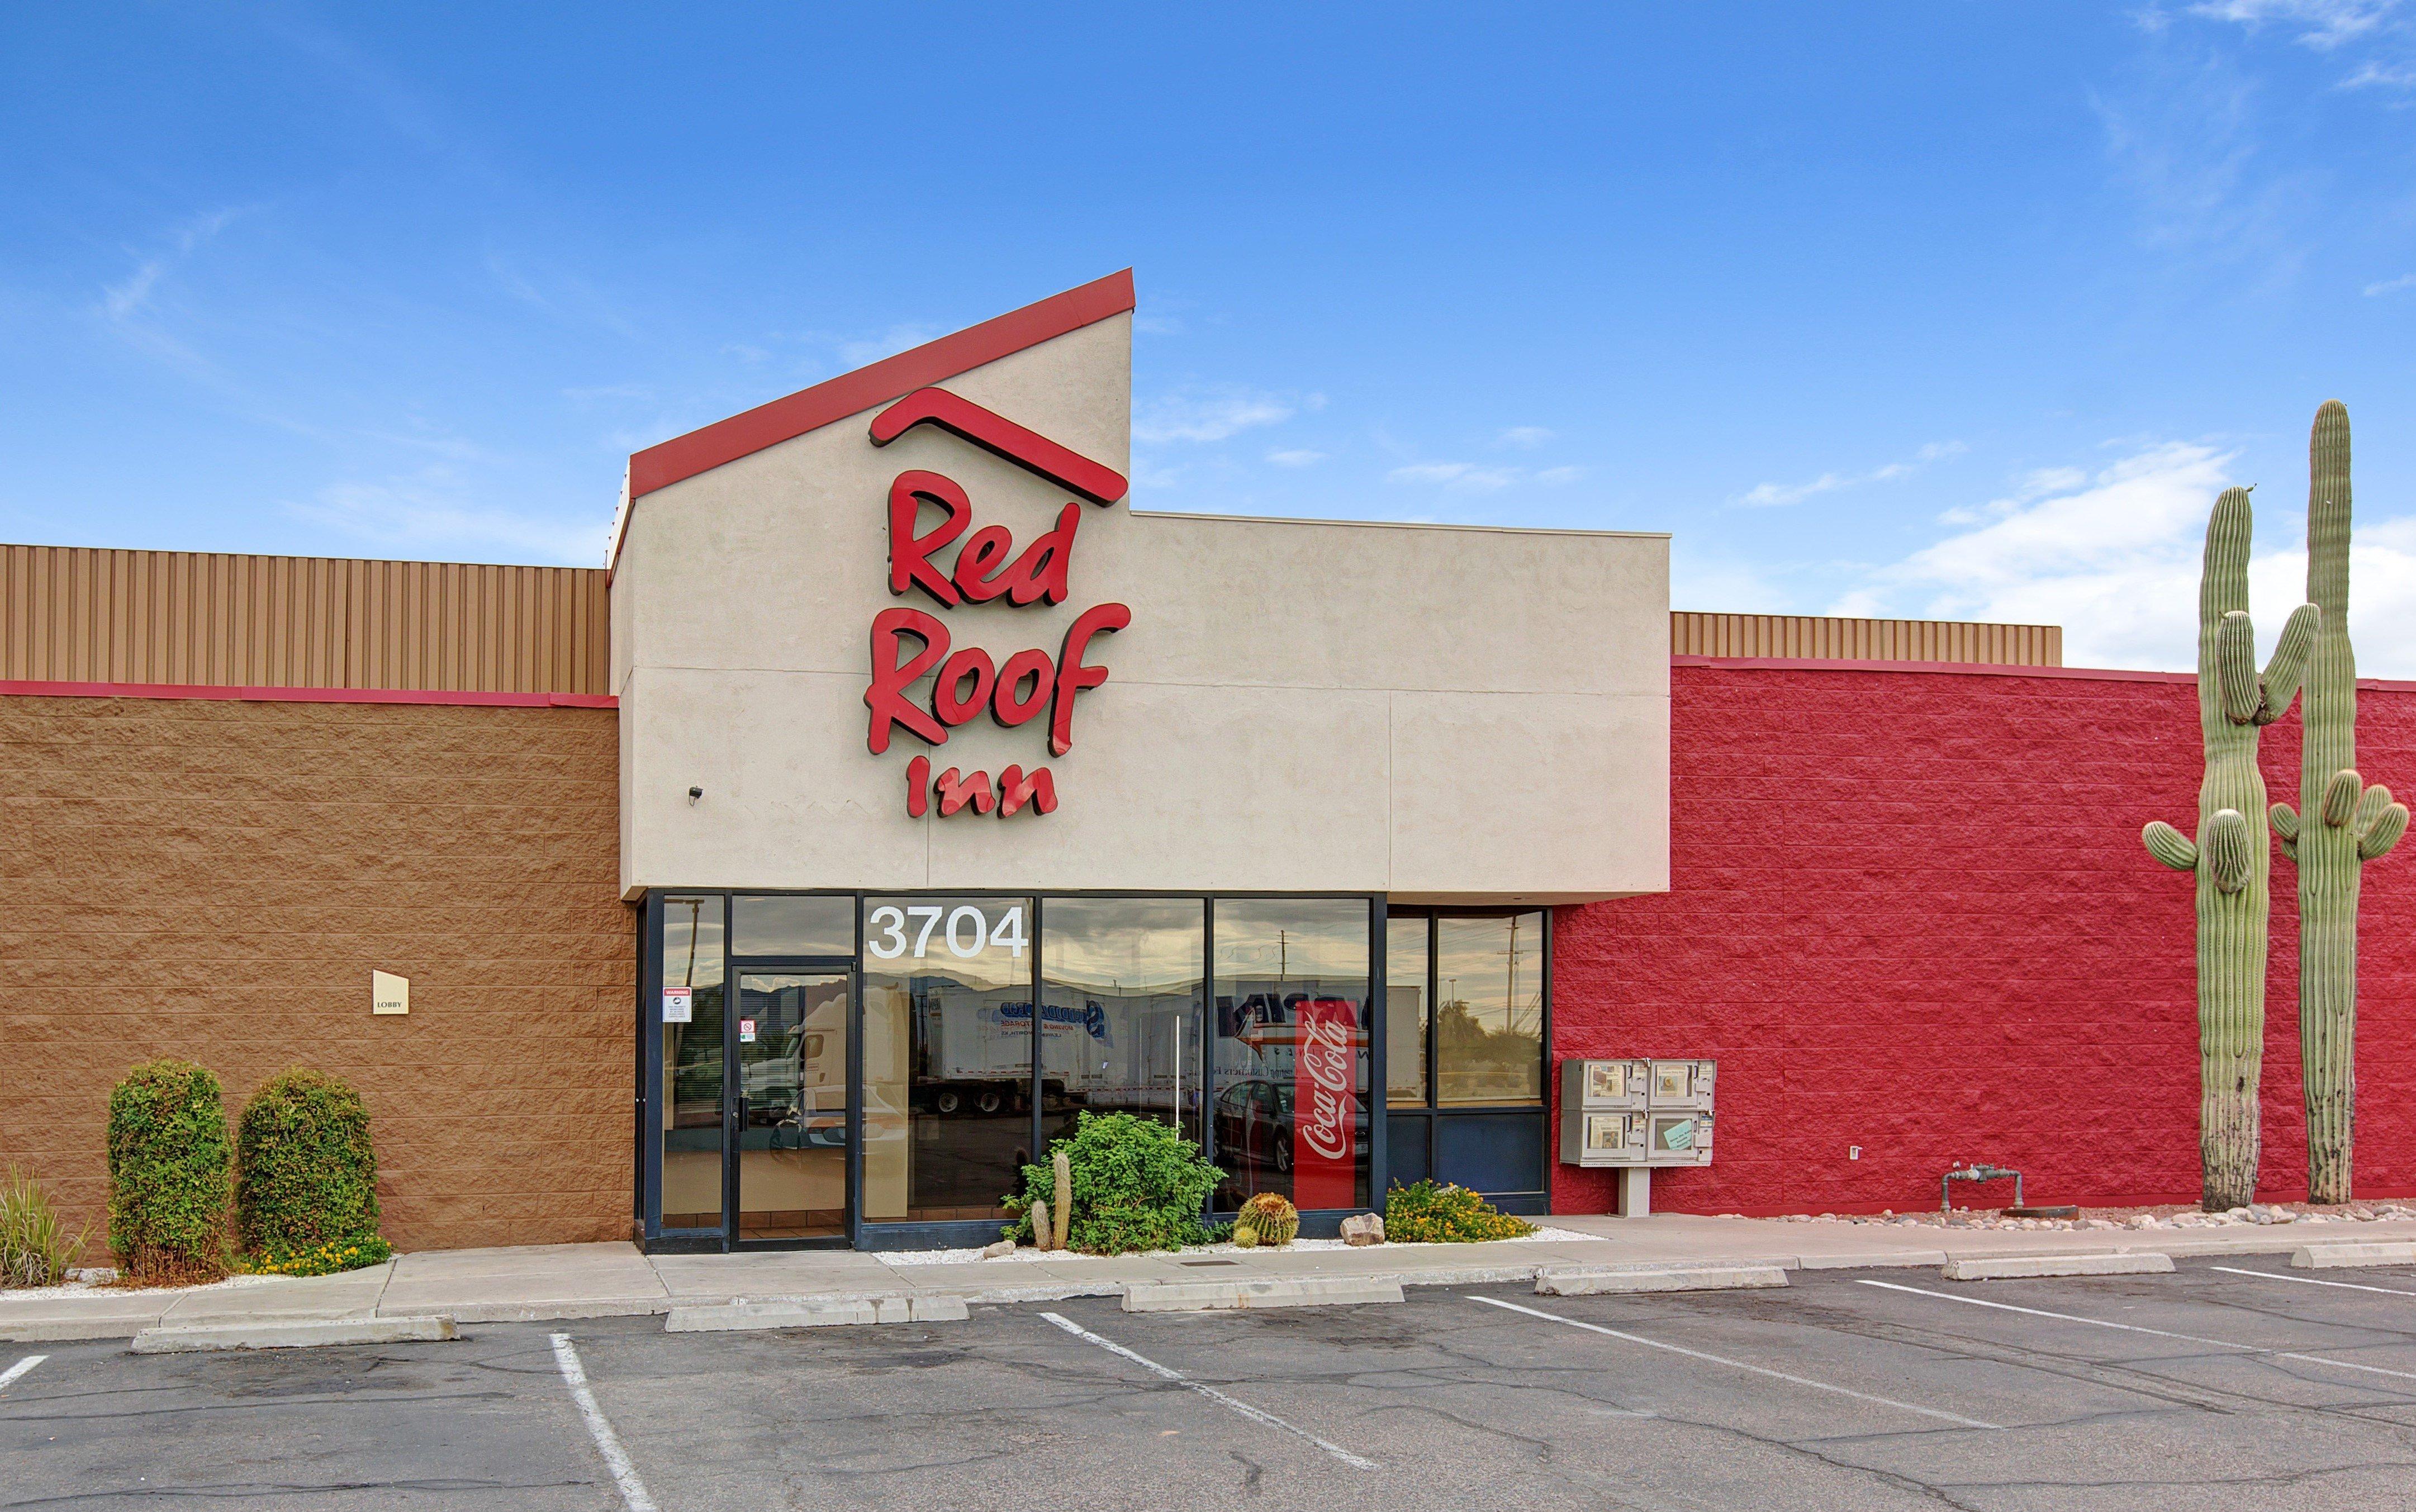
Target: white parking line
x: 2309, y: 1280
x: 1740, y: 1365
x: 1210, y: 1392
x: 2135, y: 1328
x: 625, y: 1475
x: 19, y: 1369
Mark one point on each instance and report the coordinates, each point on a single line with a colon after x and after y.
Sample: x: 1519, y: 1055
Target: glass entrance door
x: 791, y: 1174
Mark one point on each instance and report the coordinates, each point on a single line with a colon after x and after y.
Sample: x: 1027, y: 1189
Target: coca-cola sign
x: 1325, y: 1103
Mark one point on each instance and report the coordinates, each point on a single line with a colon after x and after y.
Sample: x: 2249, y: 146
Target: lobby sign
x: 909, y: 645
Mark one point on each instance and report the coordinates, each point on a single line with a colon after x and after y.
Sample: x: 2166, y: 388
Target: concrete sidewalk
x: 544, y: 1282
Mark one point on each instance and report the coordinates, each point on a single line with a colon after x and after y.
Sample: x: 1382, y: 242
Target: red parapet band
x: 997, y: 435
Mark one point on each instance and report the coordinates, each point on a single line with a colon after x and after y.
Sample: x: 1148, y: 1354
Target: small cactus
x: 1245, y: 1237
x: 1270, y: 1218
x: 1063, y: 1211
x: 1043, y: 1237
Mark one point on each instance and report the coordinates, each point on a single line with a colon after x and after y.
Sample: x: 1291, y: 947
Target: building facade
x: 901, y: 794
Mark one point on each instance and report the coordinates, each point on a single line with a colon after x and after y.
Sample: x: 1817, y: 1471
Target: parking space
x: 2236, y: 1386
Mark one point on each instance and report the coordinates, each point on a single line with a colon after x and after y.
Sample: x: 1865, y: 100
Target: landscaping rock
x: 1363, y: 1229
x: 1005, y: 1246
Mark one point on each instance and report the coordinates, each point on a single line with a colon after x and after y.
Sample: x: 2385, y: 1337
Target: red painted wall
x: 1910, y: 911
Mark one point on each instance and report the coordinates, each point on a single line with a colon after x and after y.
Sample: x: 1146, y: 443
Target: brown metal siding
x: 81, y: 614
x: 1812, y: 637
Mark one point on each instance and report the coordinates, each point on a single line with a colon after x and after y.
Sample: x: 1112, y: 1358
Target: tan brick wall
x: 216, y: 880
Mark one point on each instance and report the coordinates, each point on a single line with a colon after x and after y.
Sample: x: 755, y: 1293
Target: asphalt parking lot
x: 2235, y: 1385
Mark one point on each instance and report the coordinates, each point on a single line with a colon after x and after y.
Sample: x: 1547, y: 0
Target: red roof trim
x: 768, y: 425
x: 307, y: 695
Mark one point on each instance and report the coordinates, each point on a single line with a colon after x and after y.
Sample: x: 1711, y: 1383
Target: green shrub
x: 305, y: 1177
x: 1138, y: 1184
x: 1427, y: 1214
x: 168, y: 1160
x: 34, y: 1249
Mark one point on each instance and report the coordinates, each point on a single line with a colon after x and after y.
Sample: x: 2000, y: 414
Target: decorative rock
x: 1005, y: 1246
x: 1362, y: 1228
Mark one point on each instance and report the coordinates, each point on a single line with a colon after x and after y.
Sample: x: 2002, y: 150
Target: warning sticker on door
x: 679, y: 1004
x: 746, y: 1036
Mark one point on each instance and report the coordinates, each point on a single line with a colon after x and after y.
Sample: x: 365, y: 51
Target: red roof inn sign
x: 910, y: 643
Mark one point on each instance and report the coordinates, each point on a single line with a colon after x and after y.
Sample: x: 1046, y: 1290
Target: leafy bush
x: 305, y: 1177
x: 320, y: 1258
x: 1451, y: 1215
x: 1138, y: 1184
x: 34, y: 1249
x: 168, y: 1160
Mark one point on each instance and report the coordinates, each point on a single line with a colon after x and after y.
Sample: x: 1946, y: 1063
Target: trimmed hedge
x: 168, y: 1173
x: 305, y: 1181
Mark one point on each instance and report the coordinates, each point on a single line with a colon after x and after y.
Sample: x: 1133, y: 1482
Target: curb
x: 308, y: 1334
x: 813, y: 1312
x: 1594, y: 1282
x: 560, y: 1310
x: 2019, y: 1267
x: 2326, y: 1256
x: 1308, y: 1291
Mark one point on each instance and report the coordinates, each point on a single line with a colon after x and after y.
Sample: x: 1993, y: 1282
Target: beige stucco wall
x: 1437, y: 712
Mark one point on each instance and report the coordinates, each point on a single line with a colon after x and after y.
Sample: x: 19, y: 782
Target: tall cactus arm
x: 2223, y: 843
x: 2340, y: 797
x: 2280, y: 683
x: 2285, y: 820
x: 2235, y: 668
x: 2370, y: 805
x: 2375, y: 841
x: 2170, y: 845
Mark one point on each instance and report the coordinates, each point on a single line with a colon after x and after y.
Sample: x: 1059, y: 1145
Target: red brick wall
x: 1909, y: 911
x: 216, y: 880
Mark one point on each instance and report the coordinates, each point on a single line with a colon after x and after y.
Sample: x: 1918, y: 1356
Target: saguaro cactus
x: 2346, y: 824
x: 2233, y: 868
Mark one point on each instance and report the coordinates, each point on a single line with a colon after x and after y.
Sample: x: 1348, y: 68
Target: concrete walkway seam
x: 301, y: 1334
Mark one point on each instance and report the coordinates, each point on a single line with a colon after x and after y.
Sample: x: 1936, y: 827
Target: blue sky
x: 1947, y: 309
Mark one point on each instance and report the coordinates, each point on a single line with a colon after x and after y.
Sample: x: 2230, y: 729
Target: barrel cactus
x: 2231, y: 865
x: 1270, y: 1219
x: 2344, y: 825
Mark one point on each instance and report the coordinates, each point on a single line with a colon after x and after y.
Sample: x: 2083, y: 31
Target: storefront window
x: 1291, y: 1064
x: 947, y: 1038
x: 1405, y: 1012
x: 1120, y: 1020
x: 691, y: 1020
x: 793, y: 924
x: 1490, y: 1011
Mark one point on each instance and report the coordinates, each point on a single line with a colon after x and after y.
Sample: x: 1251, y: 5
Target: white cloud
x: 1527, y: 437
x: 1295, y: 457
x: 2324, y: 24
x: 1471, y: 478
x: 896, y: 338
x: 2113, y: 557
x: 1767, y: 495
x: 1214, y: 414
x: 2381, y: 76
x: 432, y: 512
x: 130, y: 296
x: 2404, y: 281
